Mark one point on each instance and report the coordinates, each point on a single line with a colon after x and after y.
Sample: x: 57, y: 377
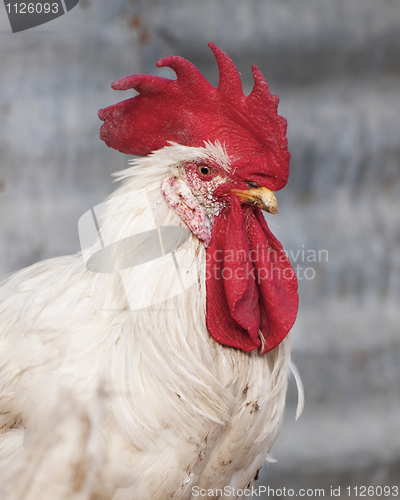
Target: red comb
x: 190, y: 111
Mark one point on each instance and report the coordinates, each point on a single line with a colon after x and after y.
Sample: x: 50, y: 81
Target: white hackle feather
x: 101, y: 401
x: 300, y: 389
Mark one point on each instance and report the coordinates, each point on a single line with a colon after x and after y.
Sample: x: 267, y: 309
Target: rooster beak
x: 261, y: 197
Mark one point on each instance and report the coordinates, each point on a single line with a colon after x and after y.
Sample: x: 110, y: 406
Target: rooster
x: 155, y: 364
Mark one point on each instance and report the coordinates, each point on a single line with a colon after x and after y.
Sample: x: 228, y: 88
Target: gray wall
x: 336, y: 67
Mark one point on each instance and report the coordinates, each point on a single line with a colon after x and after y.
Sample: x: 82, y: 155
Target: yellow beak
x: 261, y: 197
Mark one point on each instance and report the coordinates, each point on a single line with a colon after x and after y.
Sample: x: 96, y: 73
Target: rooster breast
x: 99, y: 399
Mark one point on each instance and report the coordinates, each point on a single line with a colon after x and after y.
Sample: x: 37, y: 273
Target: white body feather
x: 99, y: 401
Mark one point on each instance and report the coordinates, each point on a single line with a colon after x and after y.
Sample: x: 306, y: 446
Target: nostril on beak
x: 252, y: 184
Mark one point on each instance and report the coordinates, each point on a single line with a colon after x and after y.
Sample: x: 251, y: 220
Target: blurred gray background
x: 335, y: 65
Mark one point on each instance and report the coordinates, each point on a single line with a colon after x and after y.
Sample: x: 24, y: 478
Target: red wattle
x: 251, y: 286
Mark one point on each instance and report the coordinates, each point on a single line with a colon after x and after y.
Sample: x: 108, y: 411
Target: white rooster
x: 155, y: 364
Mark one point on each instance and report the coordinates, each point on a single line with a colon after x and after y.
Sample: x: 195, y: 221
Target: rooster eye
x: 205, y: 170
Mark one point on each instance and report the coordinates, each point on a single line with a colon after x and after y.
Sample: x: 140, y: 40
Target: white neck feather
x: 167, y: 344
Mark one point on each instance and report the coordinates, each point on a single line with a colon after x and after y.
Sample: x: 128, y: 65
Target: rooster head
x: 231, y: 154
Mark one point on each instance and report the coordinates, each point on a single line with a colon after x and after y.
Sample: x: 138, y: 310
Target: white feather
x: 300, y: 389
x: 176, y: 409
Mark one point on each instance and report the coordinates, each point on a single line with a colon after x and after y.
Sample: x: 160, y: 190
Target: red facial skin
x: 251, y: 288
x: 255, y: 303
